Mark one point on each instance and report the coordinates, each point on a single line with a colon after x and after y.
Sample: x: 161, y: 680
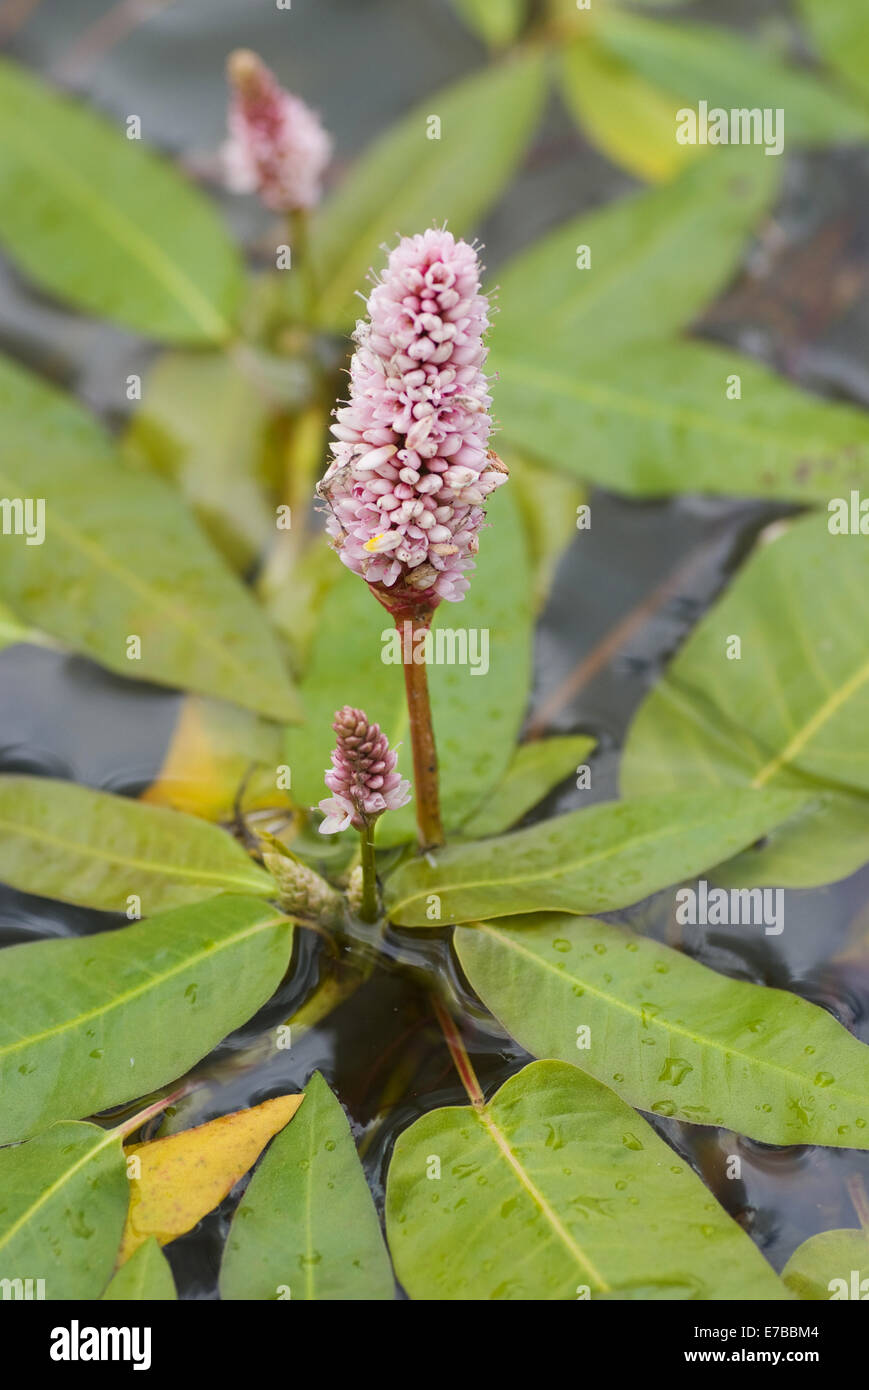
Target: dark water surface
x: 801, y: 304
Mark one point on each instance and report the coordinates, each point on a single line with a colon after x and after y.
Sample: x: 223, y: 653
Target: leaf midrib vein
x: 65, y: 1177
x: 527, y: 1183
x: 149, y: 253
x: 40, y: 836
x: 657, y: 1022
x: 153, y: 982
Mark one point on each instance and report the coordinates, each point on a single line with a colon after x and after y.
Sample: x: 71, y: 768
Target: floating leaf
x: 408, y: 180
x: 306, y: 1227
x: 64, y: 841
x: 594, y: 860
x: 203, y: 424
x: 555, y: 1188
x: 476, y: 716
x: 13, y: 632
x: 90, y: 1022
x: 548, y: 504
x: 64, y: 1199
x: 628, y: 119
x: 183, y: 1178
x: 145, y: 1278
x: 789, y: 713
x: 657, y: 258
x: 831, y: 1265
x: 535, y: 770
x: 216, y: 753
x: 706, y: 63
x: 654, y: 260
x: 496, y: 21
x: 122, y: 558
x: 839, y: 30
x: 668, y: 1034
x: 657, y: 419
x: 106, y: 224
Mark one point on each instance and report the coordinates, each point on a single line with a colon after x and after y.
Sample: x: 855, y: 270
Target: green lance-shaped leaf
x: 627, y: 118
x: 64, y: 1201
x: 548, y: 504
x: 536, y: 769
x: 668, y: 1034
x: 476, y: 716
x: 121, y: 558
x: 496, y: 21
x: 656, y: 259
x: 105, y: 224
x: 664, y: 417
x: 838, y: 28
x: 832, y: 1265
x: 416, y: 174
x: 306, y: 1227
x: 145, y: 1278
x: 594, y: 860
x: 64, y: 841
x: 94, y: 1021
x: 203, y: 424
x: 558, y: 1190
x: 703, y: 63
x: 790, y: 712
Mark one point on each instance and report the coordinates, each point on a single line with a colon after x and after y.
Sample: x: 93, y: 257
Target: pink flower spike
x: 362, y: 777
x: 410, y: 459
x: 276, y: 146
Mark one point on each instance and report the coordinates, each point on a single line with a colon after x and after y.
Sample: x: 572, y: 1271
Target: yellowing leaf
x: 182, y: 1178
x: 629, y: 119
x: 215, y: 750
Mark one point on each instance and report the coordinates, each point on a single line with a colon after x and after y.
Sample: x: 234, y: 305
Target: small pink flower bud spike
x: 364, y: 783
x: 411, y: 466
x: 277, y: 147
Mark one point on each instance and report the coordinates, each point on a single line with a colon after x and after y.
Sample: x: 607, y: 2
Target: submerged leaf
x: 123, y: 559
x: 64, y: 1198
x: 145, y: 1278
x: 594, y: 860
x: 179, y: 1180
x: 105, y: 223
x: 558, y: 1190
x: 306, y: 1227
x: 90, y: 1022
x: 668, y: 1034
x: 790, y: 713
x: 65, y: 841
